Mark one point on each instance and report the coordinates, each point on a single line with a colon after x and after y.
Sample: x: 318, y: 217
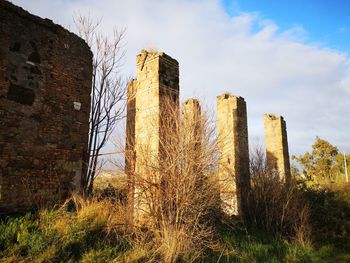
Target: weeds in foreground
x: 78, y: 230
x: 82, y: 231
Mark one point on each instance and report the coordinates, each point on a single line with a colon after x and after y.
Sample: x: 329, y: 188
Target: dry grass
x: 115, y: 180
x: 94, y: 213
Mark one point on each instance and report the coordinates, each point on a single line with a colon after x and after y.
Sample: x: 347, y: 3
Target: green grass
x: 30, y: 239
x: 239, y: 245
x: 84, y: 236
x: 22, y: 238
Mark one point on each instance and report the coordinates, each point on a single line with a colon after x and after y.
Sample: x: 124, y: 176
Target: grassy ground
x: 257, y: 246
x: 95, y: 231
x: 31, y: 239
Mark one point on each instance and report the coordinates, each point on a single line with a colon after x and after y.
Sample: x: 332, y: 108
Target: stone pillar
x: 234, y: 153
x: 192, y: 133
x: 192, y: 118
x: 130, y: 142
x: 157, y: 91
x: 277, y: 145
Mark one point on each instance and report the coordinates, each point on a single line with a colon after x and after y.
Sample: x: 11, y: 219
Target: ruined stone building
x: 155, y: 91
x: 45, y: 84
x: 234, y: 153
x: 148, y: 117
x: 277, y: 145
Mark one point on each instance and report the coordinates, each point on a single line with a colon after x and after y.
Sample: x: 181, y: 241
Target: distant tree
x: 108, y: 91
x: 324, y: 163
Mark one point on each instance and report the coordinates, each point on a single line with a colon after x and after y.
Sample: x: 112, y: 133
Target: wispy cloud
x: 342, y: 30
x: 249, y: 56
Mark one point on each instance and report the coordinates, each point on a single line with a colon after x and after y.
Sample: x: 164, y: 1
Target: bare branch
x: 108, y: 90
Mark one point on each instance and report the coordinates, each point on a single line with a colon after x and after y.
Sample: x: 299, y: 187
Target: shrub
x: 177, y: 191
x: 329, y: 215
x: 274, y: 206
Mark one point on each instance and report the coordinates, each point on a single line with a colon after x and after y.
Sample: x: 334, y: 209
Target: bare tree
x: 107, y: 94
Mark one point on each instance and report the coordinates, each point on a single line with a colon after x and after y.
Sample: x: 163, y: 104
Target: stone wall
x: 234, y: 153
x: 156, y: 91
x: 277, y: 145
x: 45, y: 83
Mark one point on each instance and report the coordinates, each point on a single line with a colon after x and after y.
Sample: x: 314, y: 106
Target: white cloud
x: 275, y: 71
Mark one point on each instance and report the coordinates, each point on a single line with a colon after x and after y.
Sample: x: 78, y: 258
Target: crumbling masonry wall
x: 45, y: 84
x: 156, y: 85
x: 234, y: 153
x: 277, y: 145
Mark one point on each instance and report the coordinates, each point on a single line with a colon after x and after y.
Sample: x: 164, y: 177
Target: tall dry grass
x: 105, y: 214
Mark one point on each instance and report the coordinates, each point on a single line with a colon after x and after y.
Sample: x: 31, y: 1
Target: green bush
x: 329, y: 216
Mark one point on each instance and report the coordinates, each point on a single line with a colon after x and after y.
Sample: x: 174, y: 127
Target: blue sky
x: 290, y: 58
x: 326, y: 22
